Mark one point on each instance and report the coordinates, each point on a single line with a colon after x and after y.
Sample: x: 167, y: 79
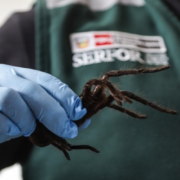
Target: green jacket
x: 77, y: 40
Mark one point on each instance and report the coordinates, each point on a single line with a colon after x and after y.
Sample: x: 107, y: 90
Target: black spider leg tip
x: 74, y: 147
x: 146, y: 102
x: 66, y: 155
x: 63, y: 147
x: 130, y: 113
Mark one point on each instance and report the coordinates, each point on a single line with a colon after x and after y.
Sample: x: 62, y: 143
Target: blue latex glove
x: 27, y: 95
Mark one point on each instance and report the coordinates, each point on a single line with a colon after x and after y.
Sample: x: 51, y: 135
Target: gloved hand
x: 27, y: 95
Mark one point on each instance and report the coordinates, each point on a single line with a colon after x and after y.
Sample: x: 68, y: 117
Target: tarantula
x: 95, y: 98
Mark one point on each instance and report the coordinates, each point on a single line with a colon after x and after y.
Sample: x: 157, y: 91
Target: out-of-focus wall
x: 7, y: 7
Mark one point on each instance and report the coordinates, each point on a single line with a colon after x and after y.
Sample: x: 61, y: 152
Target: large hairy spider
x: 95, y: 98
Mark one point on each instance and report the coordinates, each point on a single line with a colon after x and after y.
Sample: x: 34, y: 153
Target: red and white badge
x: 86, y: 41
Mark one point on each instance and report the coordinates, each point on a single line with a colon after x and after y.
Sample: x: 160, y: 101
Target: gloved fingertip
x: 69, y: 131
x: 30, y: 131
x: 73, y: 131
x: 85, y: 124
x: 73, y: 135
x: 79, y: 111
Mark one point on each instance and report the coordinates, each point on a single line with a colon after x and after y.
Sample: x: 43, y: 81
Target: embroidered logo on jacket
x: 107, y: 46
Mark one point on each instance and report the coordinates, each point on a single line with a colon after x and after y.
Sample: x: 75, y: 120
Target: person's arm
x: 17, y: 40
x: 174, y: 5
x: 28, y: 95
x: 17, y: 47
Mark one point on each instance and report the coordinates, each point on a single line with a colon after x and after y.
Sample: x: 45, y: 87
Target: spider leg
x: 131, y: 113
x: 96, y: 91
x: 62, y: 149
x: 118, y: 96
x: 66, y: 154
x: 84, y: 147
x: 145, y: 102
x: 64, y: 146
x: 135, y: 71
x: 86, y: 90
x: 87, y: 94
x: 95, y: 109
x: 61, y: 143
